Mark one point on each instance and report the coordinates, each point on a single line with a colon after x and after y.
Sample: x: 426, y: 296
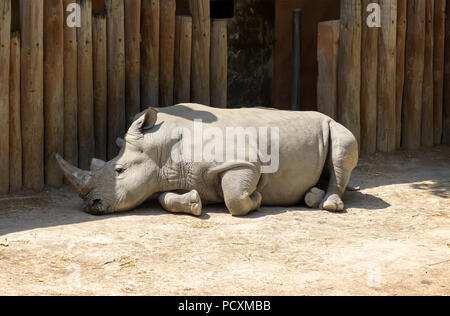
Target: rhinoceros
x: 153, y: 162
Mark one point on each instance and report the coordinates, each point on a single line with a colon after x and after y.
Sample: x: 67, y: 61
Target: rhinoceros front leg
x: 189, y: 203
x: 239, y: 190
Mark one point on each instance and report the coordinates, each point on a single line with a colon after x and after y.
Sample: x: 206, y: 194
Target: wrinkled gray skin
x: 313, y: 147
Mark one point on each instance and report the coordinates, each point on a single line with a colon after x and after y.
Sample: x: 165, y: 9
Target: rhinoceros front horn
x: 79, y: 179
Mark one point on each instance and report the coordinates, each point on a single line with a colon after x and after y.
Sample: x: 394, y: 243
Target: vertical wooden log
x: 369, y: 84
x: 133, y: 58
x: 387, y: 66
x: 350, y: 66
x: 446, y: 109
x: 438, y: 66
x: 402, y: 10
x: 86, y: 141
x: 201, y: 43
x: 15, y: 133
x: 327, y: 56
x: 183, y: 46
x: 167, y: 51
x: 150, y: 54
x: 116, y: 73
x: 296, y: 82
x: 99, y: 50
x: 32, y: 87
x: 5, y: 55
x: 219, y: 63
x: 428, y: 91
x: 70, y: 92
x: 415, y: 51
x: 54, y: 90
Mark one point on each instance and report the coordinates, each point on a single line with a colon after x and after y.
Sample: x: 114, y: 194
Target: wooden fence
x: 389, y: 85
x: 74, y: 90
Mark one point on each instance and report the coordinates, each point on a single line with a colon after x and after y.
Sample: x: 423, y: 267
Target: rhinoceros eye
x: 119, y: 171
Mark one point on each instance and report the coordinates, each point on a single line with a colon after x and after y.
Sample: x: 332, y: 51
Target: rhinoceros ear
x: 149, y: 119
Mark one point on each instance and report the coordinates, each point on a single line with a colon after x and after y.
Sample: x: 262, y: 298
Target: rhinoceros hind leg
x: 239, y: 190
x: 189, y: 203
x: 314, y: 197
x: 332, y: 203
x: 342, y: 159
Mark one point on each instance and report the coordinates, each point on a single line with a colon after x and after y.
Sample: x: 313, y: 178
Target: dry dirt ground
x: 394, y: 239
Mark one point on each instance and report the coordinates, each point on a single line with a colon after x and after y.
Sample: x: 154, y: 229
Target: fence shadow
x: 440, y: 188
x: 427, y: 170
x: 62, y: 207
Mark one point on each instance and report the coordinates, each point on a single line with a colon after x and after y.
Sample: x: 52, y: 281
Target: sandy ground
x: 394, y: 239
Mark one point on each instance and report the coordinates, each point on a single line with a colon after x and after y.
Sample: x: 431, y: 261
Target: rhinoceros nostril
x: 96, y: 202
x: 94, y: 207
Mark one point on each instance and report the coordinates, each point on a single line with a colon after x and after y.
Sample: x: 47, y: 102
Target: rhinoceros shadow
x: 192, y: 115
x: 352, y: 200
x: 357, y: 200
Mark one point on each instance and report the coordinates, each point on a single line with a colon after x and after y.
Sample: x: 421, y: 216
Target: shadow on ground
x: 428, y: 172
x: 62, y: 207
x: 440, y: 188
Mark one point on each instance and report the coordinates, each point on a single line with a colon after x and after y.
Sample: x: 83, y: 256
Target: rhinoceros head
x: 124, y: 182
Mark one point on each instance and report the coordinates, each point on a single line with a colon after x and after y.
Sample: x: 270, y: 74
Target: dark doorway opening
x: 222, y: 9
x: 313, y: 12
x: 219, y: 9
x: 98, y: 5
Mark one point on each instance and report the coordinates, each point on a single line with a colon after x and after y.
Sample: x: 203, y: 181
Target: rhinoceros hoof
x: 314, y: 197
x: 333, y: 203
x: 195, y: 203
